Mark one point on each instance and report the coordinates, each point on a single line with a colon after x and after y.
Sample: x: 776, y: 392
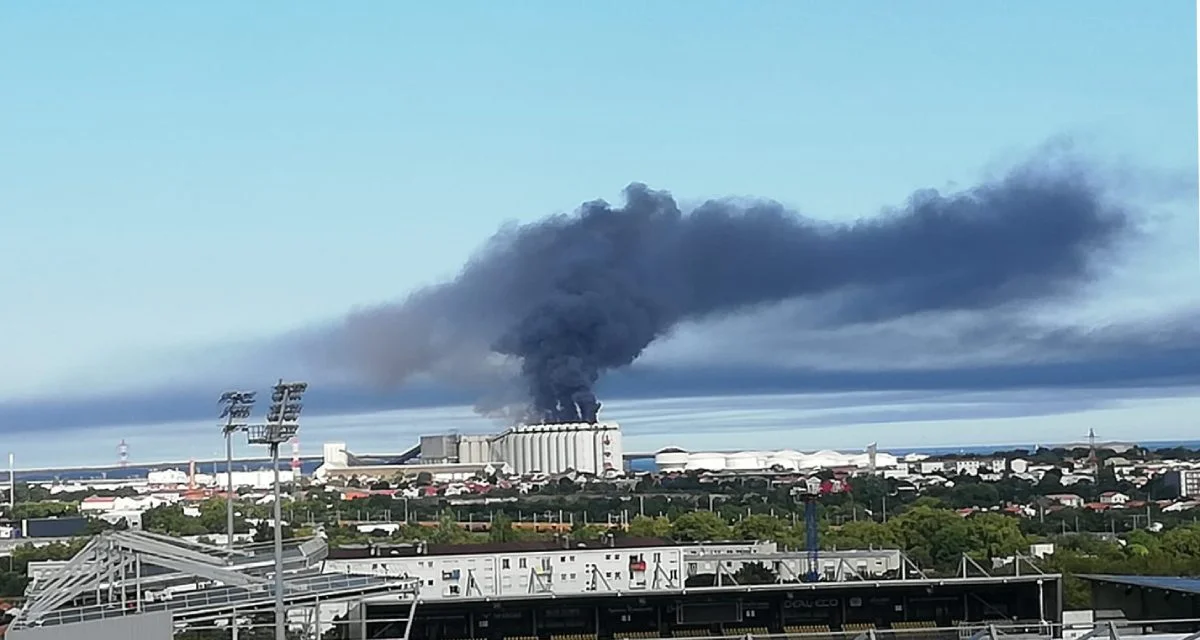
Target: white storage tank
x: 599, y: 446
x: 558, y: 457
x: 569, y: 450
x: 706, y: 462
x: 526, y: 461
x: 585, y: 451
x: 782, y: 463
x: 671, y: 460
x: 616, y: 447
x: 543, y: 436
x: 745, y: 461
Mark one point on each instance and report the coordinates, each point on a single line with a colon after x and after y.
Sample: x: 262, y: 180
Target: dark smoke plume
x: 573, y: 296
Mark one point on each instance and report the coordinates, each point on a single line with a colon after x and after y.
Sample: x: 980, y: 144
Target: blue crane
x: 809, y: 492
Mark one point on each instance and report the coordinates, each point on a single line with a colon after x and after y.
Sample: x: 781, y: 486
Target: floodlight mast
x: 283, y: 421
x: 237, y: 408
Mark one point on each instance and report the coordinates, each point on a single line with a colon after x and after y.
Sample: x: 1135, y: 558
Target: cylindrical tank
x: 671, y: 460
x: 543, y: 442
x: 586, y: 451
x: 572, y: 459
x: 516, y: 455
x: 744, y: 461
x: 617, y: 447
x: 782, y: 463
x: 706, y: 462
x: 561, y: 462
x: 527, y: 443
x: 556, y: 464
x: 598, y: 437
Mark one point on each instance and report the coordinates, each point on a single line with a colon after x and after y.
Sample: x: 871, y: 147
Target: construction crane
x: 810, y: 491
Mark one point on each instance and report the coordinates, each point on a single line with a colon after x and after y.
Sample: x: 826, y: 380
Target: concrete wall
x: 146, y: 626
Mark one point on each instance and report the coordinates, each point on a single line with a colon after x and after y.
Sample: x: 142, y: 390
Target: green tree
x: 502, y: 529
x: 973, y: 494
x: 650, y: 527
x: 761, y: 527
x: 44, y: 509
x: 700, y: 526
x: 448, y: 531
x: 935, y: 538
x: 1184, y: 541
x: 170, y: 520
x: 862, y: 534
x: 755, y: 573
x: 993, y: 535
x: 590, y: 532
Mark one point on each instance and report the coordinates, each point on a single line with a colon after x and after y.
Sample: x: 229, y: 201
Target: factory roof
x: 1178, y: 584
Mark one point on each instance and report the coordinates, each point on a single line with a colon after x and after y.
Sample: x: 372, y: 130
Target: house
x: 927, y: 467
x: 1068, y: 500
x: 967, y: 467
x: 1113, y: 498
x: 1182, y: 505
x: 97, y: 504
x: 1069, y: 479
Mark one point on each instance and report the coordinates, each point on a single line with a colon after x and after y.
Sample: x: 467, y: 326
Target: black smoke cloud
x: 571, y: 297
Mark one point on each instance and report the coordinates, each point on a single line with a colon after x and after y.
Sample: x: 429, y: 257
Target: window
x: 521, y: 563
x: 504, y: 563
x: 657, y: 556
x: 562, y: 558
x: 674, y: 574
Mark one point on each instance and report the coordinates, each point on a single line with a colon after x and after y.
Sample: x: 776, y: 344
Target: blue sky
x: 181, y: 179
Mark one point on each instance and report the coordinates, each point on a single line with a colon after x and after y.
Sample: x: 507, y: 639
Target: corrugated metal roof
x: 1166, y: 583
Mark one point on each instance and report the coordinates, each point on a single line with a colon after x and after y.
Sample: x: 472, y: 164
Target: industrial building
x: 1184, y: 483
x: 632, y: 588
x: 591, y: 448
x: 550, y: 449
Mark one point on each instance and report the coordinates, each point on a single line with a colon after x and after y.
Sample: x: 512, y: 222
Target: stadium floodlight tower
x: 237, y: 406
x: 283, y: 421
